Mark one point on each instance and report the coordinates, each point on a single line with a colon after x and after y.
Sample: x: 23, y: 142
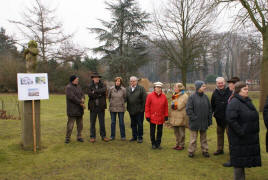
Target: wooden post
x: 34, y: 130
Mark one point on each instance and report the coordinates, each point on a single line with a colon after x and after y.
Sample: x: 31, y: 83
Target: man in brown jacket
x: 75, y: 108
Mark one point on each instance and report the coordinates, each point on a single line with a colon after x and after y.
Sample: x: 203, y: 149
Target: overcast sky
x: 76, y: 16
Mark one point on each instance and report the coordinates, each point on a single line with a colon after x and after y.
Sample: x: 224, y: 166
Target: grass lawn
x: 122, y: 160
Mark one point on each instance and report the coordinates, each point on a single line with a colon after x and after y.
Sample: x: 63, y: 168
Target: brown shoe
x: 92, y: 140
x: 105, y: 139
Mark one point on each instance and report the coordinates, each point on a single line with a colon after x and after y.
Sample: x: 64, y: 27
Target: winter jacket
x: 219, y: 101
x: 243, y: 132
x: 136, y: 100
x: 117, y: 98
x: 198, y: 109
x: 74, y: 96
x: 178, y: 116
x: 156, y: 108
x: 265, y: 118
x: 97, y: 97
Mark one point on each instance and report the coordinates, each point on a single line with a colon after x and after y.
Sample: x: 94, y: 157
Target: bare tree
x: 39, y: 23
x: 255, y: 11
x: 180, y: 32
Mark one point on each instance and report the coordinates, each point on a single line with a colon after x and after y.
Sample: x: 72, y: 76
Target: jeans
x: 156, y: 142
x: 93, y: 118
x: 137, y: 125
x: 121, y: 124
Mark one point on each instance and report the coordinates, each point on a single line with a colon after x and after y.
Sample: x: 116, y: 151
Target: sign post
x: 32, y: 87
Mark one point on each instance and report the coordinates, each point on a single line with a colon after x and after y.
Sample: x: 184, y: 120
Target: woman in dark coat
x: 243, y: 132
x: 265, y: 118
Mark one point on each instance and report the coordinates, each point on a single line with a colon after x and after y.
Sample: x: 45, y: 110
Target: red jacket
x: 156, y: 108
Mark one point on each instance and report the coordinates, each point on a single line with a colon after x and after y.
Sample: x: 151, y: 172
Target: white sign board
x: 32, y: 86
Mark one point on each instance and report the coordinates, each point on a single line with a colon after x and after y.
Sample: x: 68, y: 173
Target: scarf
x: 174, y: 102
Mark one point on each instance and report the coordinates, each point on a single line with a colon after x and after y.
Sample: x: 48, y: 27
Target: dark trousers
x: 239, y: 173
x: 137, y: 125
x: 156, y: 142
x: 121, y: 124
x: 70, y: 125
x: 93, y: 118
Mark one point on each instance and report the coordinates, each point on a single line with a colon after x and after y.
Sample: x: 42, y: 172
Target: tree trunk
x: 184, y: 76
x: 264, y: 72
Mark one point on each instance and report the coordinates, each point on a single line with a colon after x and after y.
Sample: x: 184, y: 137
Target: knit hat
x: 73, y: 77
x: 198, y: 84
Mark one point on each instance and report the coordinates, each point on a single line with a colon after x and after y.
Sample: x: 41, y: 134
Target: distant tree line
x: 180, y: 46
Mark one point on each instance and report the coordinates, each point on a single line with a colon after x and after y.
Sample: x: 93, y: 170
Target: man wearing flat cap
x: 75, y: 108
x: 97, y: 105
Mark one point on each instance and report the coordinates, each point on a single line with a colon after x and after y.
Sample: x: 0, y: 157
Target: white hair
x: 133, y: 78
x: 220, y: 79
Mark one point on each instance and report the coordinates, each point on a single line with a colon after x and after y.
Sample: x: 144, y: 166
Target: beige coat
x: 117, y: 99
x: 179, y: 117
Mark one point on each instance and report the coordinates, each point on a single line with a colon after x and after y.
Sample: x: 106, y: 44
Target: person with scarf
x: 117, y: 99
x: 198, y: 109
x: 178, y: 116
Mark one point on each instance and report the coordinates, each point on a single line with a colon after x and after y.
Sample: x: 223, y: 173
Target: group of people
x: 134, y: 96
x: 233, y: 110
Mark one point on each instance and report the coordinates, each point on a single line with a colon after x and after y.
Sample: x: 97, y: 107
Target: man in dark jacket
x: 219, y: 101
x: 231, y: 85
x: 198, y: 109
x: 265, y: 118
x: 97, y: 106
x: 136, y: 98
x: 75, y: 108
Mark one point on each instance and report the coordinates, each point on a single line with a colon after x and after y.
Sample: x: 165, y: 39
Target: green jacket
x: 136, y: 100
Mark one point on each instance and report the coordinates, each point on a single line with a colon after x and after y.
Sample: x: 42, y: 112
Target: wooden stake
x: 34, y: 130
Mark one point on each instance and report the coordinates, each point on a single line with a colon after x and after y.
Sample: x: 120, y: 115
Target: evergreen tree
x: 123, y: 44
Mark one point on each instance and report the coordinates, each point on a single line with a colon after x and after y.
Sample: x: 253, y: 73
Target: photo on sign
x: 40, y: 80
x: 33, y: 92
x: 26, y: 81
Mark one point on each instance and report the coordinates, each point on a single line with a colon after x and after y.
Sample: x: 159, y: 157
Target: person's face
x: 76, y: 81
x: 117, y: 82
x: 244, y: 92
x: 158, y: 90
x: 133, y: 83
x: 231, y: 86
x: 202, y: 88
x: 96, y: 80
x: 176, y: 89
x: 220, y: 84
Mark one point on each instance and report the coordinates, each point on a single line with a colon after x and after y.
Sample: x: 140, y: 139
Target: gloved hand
x: 148, y: 119
x: 166, y: 118
x: 209, y: 123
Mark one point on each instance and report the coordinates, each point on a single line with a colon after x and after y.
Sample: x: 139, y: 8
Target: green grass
x: 113, y: 160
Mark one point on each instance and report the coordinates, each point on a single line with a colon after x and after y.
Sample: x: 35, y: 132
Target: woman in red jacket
x: 156, y: 112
